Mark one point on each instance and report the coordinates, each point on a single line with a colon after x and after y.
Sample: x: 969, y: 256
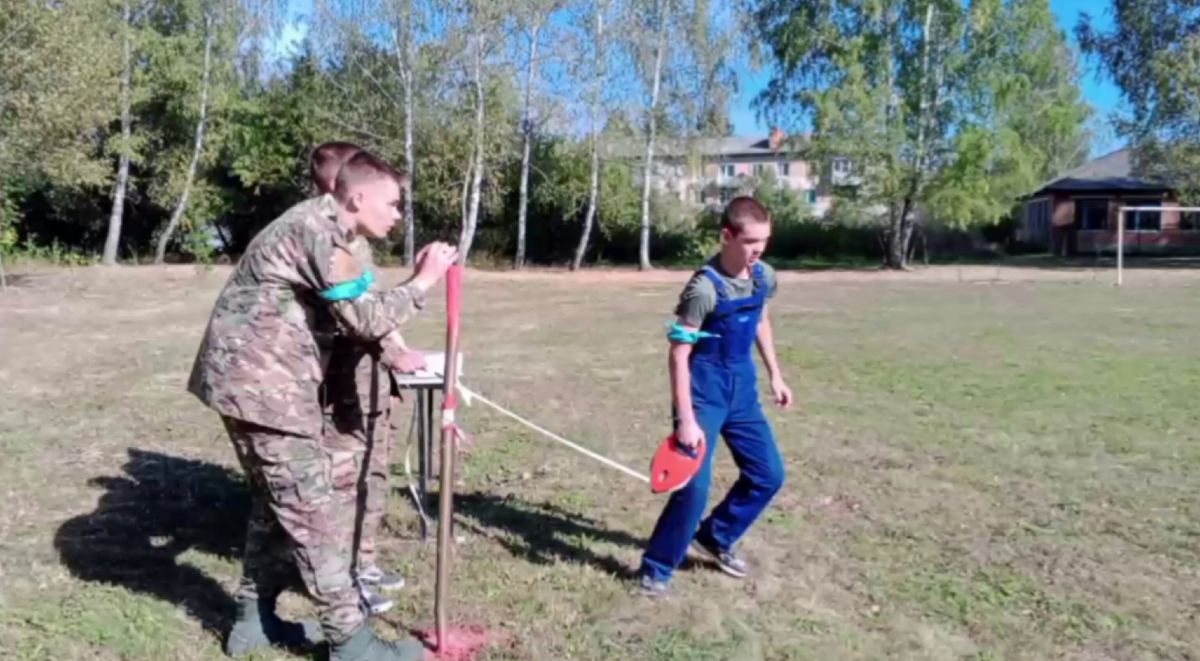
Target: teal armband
x: 350, y: 289
x: 677, y: 333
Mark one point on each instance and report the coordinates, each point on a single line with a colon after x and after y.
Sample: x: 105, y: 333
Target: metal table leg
x: 430, y: 432
x: 422, y: 456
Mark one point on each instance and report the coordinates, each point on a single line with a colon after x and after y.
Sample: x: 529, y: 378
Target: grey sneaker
x: 374, y: 577
x: 376, y: 603
x: 653, y: 588
x: 727, y: 561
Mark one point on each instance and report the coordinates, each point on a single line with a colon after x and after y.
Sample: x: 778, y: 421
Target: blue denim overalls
x: 725, y: 400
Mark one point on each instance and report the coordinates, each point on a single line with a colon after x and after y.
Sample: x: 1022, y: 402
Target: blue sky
x: 1098, y: 89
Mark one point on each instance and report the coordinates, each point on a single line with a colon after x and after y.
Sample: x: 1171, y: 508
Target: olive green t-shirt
x: 699, y: 297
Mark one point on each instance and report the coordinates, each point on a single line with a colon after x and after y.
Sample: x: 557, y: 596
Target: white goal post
x: 1121, y: 230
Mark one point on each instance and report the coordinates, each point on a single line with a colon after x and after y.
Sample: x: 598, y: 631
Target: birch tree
x: 534, y: 16
x: 209, y: 33
x: 125, y: 146
x: 599, y: 70
x: 921, y: 98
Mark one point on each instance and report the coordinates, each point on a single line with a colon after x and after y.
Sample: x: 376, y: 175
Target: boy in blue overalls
x: 722, y: 314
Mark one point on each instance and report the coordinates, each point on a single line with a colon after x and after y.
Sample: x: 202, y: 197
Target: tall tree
x: 56, y: 59
x: 1152, y: 51
x: 534, y: 16
x: 1022, y: 115
x: 447, y: 74
x: 652, y: 19
x: 125, y: 146
x: 209, y: 32
x: 190, y: 88
x: 598, y: 70
x: 483, y: 22
x: 404, y: 43
x: 706, y: 68
x: 925, y: 99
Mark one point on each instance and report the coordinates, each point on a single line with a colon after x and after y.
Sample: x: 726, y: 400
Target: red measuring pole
x: 449, y: 436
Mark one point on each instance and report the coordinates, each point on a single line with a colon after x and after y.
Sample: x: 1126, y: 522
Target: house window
x: 841, y: 166
x: 759, y: 169
x: 1143, y: 221
x: 726, y: 195
x: 811, y: 196
x: 727, y: 170
x: 1189, y: 221
x: 1091, y: 214
x: 699, y: 196
x: 785, y: 169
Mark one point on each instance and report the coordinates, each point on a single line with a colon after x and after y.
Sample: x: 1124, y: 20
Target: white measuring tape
x: 470, y: 395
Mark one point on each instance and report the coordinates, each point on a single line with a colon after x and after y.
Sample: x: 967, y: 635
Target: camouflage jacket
x: 358, y: 388
x: 265, y: 354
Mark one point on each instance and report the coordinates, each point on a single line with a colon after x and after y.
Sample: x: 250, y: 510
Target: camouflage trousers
x: 361, y: 463
x: 300, y: 522
x: 358, y: 397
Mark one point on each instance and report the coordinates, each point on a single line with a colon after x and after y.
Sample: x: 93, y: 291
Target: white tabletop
x: 434, y: 373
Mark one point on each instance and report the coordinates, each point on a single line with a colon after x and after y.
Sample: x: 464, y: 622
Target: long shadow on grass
x: 543, y: 533
x: 161, y: 507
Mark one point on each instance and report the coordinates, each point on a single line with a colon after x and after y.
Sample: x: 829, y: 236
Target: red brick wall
x: 1169, y: 238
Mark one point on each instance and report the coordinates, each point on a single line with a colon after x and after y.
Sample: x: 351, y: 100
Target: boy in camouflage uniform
x: 261, y: 366
x: 360, y: 397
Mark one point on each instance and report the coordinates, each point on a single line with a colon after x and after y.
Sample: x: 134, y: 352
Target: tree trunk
x: 660, y: 46
x: 112, y: 242
x: 410, y: 163
x: 197, y: 147
x: 901, y: 231
x: 406, y: 56
x: 589, y: 217
x: 469, y: 224
x: 594, y: 117
x: 526, y: 138
x: 898, y: 234
x: 465, y: 202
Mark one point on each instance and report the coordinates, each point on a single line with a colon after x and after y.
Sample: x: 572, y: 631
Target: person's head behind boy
x: 325, y: 161
x: 745, y: 230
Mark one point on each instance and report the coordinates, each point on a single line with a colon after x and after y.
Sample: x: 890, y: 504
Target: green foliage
x: 947, y: 110
x: 57, y: 61
x: 1007, y: 115
x: 53, y: 253
x: 8, y: 221
x: 787, y: 205
x: 1152, y: 51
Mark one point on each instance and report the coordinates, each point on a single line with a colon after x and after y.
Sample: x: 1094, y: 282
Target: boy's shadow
x: 160, y: 508
x: 543, y: 532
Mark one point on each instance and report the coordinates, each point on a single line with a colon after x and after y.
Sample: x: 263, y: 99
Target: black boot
x: 257, y: 626
x: 364, y: 645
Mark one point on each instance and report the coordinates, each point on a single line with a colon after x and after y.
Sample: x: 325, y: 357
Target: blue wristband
x: 350, y: 289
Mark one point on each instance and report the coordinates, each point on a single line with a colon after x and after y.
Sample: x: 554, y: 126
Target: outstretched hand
x: 407, y: 362
x: 432, y: 262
